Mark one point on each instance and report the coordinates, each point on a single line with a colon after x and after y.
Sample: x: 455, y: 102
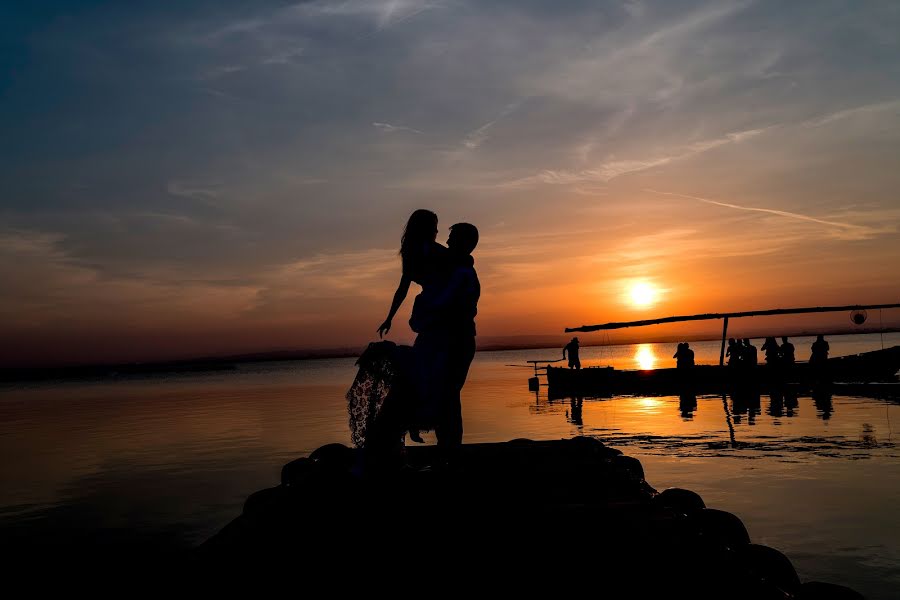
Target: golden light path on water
x: 644, y: 357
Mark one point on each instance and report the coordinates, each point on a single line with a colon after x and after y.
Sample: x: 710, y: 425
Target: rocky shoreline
x: 522, y: 515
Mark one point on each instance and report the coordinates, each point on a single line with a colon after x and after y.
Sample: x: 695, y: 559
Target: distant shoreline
x: 227, y: 363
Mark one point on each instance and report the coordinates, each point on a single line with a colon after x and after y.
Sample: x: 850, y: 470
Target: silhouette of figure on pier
x: 819, y: 350
x: 786, y: 352
x: 684, y: 356
x: 772, y: 350
x: 749, y: 354
x: 733, y: 353
x: 572, y: 349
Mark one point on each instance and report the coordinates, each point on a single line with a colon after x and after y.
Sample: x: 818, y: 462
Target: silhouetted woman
x: 421, y: 258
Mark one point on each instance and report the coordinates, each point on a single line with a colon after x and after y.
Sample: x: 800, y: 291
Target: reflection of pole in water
x: 728, y: 420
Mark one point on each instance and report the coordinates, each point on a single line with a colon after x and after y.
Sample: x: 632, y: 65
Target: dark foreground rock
x: 520, y: 517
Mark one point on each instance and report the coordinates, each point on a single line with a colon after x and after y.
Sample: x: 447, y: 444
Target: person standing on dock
x: 786, y: 351
x: 819, y: 351
x: 749, y: 354
x: 773, y: 354
x: 572, y: 349
x: 733, y: 353
x: 684, y: 356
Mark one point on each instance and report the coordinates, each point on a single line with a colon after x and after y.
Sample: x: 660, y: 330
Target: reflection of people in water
x: 684, y: 356
x: 786, y: 351
x: 575, y: 413
x: 745, y: 402
x: 822, y: 399
x: 687, y: 403
x: 572, y: 349
x: 790, y: 401
x: 776, y: 403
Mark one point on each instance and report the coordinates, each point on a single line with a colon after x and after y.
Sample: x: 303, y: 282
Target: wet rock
x: 720, y: 528
x: 770, y: 566
x: 816, y: 590
x: 681, y: 500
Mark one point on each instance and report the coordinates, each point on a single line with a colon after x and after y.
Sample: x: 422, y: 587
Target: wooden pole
x: 722, y: 352
x: 752, y: 313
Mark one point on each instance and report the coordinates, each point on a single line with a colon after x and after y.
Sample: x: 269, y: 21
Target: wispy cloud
x: 846, y: 231
x: 388, y: 128
x: 194, y: 192
x: 608, y: 171
x: 852, y: 112
x: 475, y: 138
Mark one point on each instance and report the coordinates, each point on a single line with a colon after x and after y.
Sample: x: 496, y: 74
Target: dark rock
x: 816, y: 590
x: 771, y: 566
x: 684, y: 501
x: 719, y: 527
x: 296, y: 471
x: 334, y: 457
x: 263, y: 500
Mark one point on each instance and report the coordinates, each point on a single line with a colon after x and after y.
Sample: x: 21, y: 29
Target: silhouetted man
x: 749, y: 354
x: 572, y: 349
x: 786, y: 351
x: 819, y: 351
x: 458, y: 305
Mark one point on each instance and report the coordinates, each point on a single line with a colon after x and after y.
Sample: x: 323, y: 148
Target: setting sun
x: 643, y: 294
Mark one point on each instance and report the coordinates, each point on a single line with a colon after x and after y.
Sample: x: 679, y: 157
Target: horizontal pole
x: 708, y: 316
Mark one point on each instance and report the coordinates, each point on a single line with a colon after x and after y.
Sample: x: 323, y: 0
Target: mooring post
x: 722, y: 352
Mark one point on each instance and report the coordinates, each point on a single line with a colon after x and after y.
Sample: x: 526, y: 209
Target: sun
x: 643, y: 294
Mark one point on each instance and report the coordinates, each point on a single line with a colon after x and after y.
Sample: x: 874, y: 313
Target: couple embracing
x: 418, y: 388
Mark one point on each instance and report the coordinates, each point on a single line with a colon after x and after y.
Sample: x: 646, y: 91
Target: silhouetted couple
x: 401, y: 389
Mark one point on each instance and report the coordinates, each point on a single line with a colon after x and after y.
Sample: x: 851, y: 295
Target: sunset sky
x: 219, y: 177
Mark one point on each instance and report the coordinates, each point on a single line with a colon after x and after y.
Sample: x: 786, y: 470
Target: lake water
x: 175, y: 457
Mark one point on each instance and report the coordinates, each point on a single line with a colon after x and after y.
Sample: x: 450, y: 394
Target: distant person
x: 733, y: 353
x: 819, y: 351
x: 749, y: 355
x: 772, y: 350
x: 786, y: 352
x: 684, y: 356
x: 572, y: 349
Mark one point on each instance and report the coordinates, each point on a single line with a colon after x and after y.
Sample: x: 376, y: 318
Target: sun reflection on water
x: 645, y: 357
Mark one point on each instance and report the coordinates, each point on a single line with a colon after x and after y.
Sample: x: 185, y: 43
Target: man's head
x: 783, y: 340
x: 463, y: 238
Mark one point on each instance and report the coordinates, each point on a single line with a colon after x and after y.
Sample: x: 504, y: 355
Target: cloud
x: 608, y: 171
x: 475, y: 138
x: 844, y: 231
x: 852, y: 112
x: 388, y: 128
x: 194, y: 192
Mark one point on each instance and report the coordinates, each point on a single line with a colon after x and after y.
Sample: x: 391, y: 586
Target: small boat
x: 876, y: 366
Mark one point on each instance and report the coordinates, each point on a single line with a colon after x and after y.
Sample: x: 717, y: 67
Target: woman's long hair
x: 421, y: 228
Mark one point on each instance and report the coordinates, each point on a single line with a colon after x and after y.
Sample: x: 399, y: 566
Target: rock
x: 719, y: 528
x: 684, y: 501
x: 770, y: 566
x: 816, y: 590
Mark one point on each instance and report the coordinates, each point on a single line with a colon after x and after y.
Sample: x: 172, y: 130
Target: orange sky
x: 257, y: 202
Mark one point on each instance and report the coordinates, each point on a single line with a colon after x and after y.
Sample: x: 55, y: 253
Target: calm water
x: 177, y: 456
